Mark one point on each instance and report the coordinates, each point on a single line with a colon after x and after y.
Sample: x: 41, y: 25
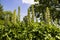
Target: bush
x: 33, y: 31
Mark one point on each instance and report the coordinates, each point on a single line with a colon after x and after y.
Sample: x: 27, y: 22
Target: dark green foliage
x: 53, y: 5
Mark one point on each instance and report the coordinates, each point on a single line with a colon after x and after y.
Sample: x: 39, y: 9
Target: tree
x: 51, y: 4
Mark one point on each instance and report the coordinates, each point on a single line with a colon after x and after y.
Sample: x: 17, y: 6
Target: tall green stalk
x: 14, y: 17
x: 47, y: 15
x: 33, y: 13
x: 29, y: 19
x: 18, y: 13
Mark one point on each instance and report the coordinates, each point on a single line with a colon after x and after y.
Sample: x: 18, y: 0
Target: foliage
x: 35, y: 31
x: 53, y: 6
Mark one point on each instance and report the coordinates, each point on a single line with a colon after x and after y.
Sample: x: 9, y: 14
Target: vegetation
x: 11, y: 28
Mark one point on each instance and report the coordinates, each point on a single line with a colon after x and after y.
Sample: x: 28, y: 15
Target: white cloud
x: 28, y: 1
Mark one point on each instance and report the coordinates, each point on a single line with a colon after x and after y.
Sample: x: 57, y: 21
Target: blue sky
x: 13, y: 4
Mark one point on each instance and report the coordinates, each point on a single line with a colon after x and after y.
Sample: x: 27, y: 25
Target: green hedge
x: 33, y: 31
